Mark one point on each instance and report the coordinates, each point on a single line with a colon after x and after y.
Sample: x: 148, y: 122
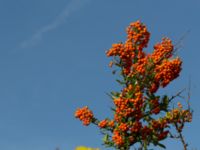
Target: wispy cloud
x: 71, y: 7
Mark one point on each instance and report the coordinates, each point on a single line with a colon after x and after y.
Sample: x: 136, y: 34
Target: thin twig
x: 181, y: 137
x: 178, y: 94
x: 188, y: 99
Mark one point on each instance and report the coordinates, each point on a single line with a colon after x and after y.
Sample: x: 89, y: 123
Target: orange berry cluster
x: 137, y: 32
x: 106, y: 123
x: 179, y: 115
x: 135, y: 62
x: 126, y: 107
x: 123, y: 127
x: 103, y: 123
x: 158, y: 127
x: 137, y: 39
x: 139, y: 68
x: 117, y: 138
x: 162, y: 50
x: 155, y: 106
x: 136, y: 106
x: 135, y: 127
x: 85, y: 115
x: 167, y: 71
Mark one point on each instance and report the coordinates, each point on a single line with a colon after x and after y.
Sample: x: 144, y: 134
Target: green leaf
x: 165, y: 99
x: 161, y: 145
x: 110, y: 95
x: 113, y: 109
x: 164, y: 103
x: 105, y: 138
x: 121, y: 82
x: 115, y: 94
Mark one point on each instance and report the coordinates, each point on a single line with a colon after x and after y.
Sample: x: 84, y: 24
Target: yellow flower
x: 85, y: 148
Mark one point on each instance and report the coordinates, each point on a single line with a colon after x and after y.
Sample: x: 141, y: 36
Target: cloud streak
x: 71, y: 7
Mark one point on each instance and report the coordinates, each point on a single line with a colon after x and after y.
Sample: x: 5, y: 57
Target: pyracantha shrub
x: 141, y: 116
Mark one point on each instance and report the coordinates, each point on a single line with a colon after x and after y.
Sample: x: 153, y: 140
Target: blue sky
x: 52, y: 60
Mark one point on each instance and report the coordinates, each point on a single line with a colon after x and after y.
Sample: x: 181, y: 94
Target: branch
x: 178, y: 94
x: 181, y: 137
